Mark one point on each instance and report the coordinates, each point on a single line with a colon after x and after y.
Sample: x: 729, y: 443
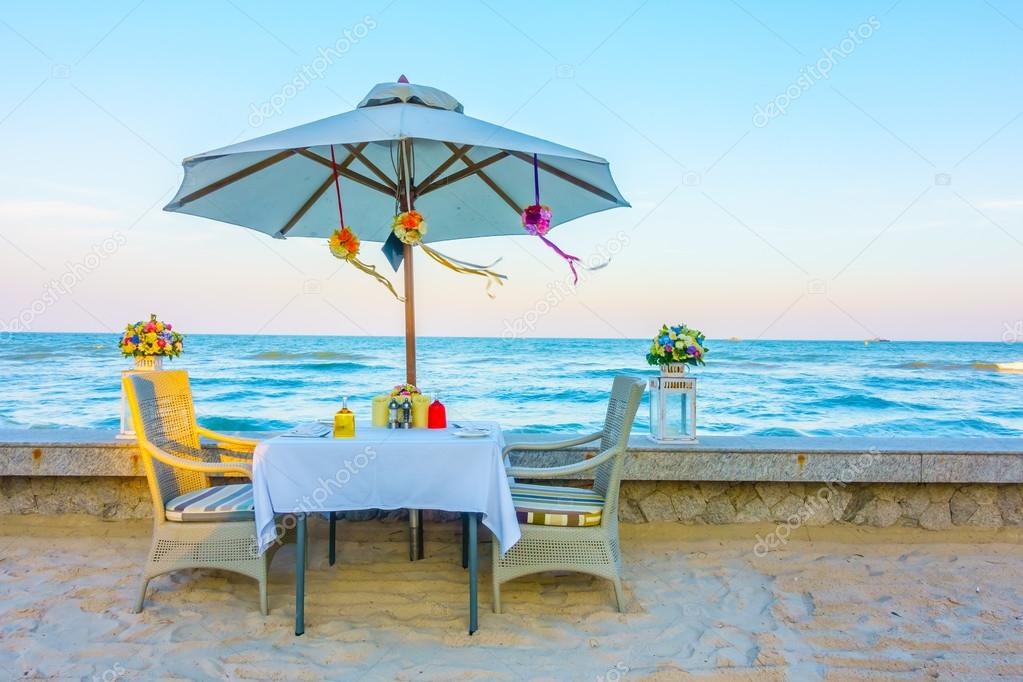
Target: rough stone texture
x: 936, y: 517
x: 962, y: 507
x: 933, y: 506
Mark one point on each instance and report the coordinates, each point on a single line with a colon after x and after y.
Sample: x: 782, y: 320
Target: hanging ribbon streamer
x: 537, y: 221
x: 344, y: 244
x: 410, y: 226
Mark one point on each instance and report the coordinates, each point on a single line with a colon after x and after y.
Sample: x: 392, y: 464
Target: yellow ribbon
x: 372, y: 271
x: 491, y: 276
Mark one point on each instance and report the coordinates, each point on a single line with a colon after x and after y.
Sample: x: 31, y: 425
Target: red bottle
x: 437, y: 417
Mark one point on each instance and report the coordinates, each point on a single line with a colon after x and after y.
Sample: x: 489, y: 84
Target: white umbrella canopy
x: 468, y: 177
x: 404, y: 146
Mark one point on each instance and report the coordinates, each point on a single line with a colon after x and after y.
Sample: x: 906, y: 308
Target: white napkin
x: 309, y: 430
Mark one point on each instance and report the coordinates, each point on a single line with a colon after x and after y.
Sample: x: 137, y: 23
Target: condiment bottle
x: 344, y: 422
x: 406, y: 413
x: 393, y: 421
x: 438, y: 418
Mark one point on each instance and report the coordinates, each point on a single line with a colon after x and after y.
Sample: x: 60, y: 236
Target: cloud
x: 35, y: 211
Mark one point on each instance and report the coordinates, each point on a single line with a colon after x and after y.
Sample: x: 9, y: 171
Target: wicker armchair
x: 195, y: 524
x: 573, y: 529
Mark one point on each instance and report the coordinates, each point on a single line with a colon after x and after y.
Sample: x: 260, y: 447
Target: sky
x: 796, y: 170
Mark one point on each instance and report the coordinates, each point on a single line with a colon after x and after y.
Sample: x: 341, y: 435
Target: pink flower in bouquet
x: 537, y: 219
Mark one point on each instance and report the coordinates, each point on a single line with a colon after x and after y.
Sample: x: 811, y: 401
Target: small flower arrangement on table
x: 405, y: 391
x: 676, y: 345
x: 153, y: 338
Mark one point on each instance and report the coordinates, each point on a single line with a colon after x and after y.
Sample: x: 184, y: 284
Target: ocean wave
x: 979, y: 365
x: 777, y: 431
x: 243, y: 424
x: 306, y: 355
x: 859, y: 401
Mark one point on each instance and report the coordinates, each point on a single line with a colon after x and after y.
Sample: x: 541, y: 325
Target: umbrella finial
x: 402, y: 79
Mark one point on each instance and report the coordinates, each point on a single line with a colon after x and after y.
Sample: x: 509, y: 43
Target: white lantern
x: 673, y: 406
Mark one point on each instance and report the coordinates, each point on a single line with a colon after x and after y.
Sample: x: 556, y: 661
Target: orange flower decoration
x: 344, y: 244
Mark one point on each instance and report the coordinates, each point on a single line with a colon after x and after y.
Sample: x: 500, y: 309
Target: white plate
x: 471, y: 433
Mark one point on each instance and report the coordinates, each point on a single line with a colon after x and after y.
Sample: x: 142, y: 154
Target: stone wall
x: 933, y: 506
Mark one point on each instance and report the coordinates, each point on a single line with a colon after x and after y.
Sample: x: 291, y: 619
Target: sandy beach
x: 835, y: 604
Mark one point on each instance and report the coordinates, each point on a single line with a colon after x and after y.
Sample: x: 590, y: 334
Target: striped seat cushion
x: 219, y: 503
x: 549, y: 505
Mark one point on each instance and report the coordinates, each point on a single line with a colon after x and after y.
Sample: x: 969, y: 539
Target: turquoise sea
x: 767, y: 388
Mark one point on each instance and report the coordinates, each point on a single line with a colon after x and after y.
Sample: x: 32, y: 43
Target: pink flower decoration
x: 537, y: 219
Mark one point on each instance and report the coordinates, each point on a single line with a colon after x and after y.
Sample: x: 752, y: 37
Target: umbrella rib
x: 473, y: 169
x: 346, y: 173
x: 305, y: 207
x: 567, y: 177
x: 459, y: 152
x: 490, y: 183
x: 235, y: 177
x: 357, y: 153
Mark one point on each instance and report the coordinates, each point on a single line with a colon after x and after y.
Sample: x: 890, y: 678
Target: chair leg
x: 496, y: 585
x: 619, y: 594
x: 143, y: 586
x: 333, y: 537
x: 264, y: 598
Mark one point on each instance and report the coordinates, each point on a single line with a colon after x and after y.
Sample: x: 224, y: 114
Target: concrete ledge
x: 935, y: 484
x: 82, y: 452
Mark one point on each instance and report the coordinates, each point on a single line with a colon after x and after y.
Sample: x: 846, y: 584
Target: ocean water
x: 766, y: 388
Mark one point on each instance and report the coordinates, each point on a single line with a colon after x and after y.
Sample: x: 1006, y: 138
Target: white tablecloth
x: 384, y: 469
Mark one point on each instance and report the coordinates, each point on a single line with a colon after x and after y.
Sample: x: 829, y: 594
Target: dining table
x: 460, y: 468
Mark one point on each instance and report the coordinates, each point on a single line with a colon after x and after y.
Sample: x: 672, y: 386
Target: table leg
x: 331, y: 552
x: 473, y: 568
x: 465, y: 540
x: 415, y: 534
x: 300, y: 549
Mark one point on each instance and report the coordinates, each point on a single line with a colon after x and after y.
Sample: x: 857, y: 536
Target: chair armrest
x: 556, y: 445
x: 238, y: 442
x: 562, y: 471
x: 189, y: 465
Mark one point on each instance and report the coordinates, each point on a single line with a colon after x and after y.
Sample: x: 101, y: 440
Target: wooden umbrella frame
x: 404, y: 189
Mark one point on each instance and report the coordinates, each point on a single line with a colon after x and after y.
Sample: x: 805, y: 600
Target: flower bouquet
x: 677, y: 346
x: 150, y: 339
x: 405, y: 391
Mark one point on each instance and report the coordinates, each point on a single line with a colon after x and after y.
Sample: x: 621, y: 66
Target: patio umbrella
x: 404, y: 147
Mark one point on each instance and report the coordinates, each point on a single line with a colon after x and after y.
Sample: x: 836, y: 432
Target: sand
x: 833, y: 603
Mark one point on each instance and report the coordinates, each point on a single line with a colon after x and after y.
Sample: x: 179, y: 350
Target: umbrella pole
x: 410, y: 319
x: 415, y: 516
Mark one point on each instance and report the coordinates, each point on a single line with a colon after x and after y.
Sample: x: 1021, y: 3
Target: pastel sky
x: 787, y: 180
